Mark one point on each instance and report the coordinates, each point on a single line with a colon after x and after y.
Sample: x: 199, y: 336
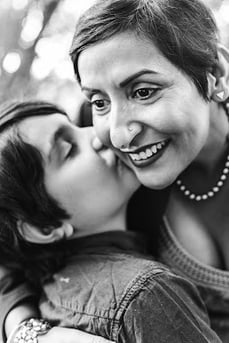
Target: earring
x: 130, y: 128
x: 220, y: 95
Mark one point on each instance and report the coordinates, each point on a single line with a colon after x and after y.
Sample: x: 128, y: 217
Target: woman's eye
x: 100, y: 105
x: 144, y: 93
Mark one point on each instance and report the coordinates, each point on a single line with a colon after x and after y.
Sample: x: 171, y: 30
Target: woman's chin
x: 157, y: 183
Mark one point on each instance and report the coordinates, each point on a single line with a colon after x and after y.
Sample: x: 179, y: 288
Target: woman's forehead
x: 130, y: 55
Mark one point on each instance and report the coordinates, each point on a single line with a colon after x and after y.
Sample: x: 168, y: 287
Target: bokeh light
x: 64, y: 70
x: 32, y: 25
x: 51, y: 49
x: 40, y: 69
x: 19, y: 4
x: 11, y: 62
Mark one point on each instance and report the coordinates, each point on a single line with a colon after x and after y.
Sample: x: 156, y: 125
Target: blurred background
x: 35, y: 37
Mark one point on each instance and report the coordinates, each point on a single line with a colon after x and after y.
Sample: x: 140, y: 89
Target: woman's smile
x: 145, y: 155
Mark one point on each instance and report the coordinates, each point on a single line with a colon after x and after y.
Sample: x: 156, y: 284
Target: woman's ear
x: 36, y: 235
x: 218, y: 79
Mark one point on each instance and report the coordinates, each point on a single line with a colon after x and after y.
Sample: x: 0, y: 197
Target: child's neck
x: 117, y: 222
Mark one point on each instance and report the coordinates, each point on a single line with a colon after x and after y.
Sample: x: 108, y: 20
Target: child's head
x: 51, y: 179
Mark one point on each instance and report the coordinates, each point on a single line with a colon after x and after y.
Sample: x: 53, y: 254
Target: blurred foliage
x: 34, y: 43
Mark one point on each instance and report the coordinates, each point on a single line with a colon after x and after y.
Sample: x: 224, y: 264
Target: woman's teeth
x: 149, y: 151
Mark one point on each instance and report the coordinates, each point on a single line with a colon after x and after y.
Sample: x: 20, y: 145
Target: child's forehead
x: 43, y: 125
x: 13, y: 112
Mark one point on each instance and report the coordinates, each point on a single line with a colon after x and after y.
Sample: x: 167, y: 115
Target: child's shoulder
x: 97, y: 282
x: 104, y: 291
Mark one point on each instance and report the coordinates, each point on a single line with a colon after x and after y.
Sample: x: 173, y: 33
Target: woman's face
x: 89, y: 185
x: 143, y: 106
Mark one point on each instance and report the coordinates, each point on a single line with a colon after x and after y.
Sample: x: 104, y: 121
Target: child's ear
x: 36, y: 235
x: 218, y: 79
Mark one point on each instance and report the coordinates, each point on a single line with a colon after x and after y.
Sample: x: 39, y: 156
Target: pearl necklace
x: 215, y: 189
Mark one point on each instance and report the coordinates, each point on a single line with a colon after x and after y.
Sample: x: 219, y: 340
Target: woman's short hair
x: 23, y: 196
x: 183, y: 30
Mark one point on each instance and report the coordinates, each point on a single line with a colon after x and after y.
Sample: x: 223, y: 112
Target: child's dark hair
x: 23, y: 196
x: 183, y: 30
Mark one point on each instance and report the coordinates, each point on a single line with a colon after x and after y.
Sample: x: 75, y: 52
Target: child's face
x: 89, y: 185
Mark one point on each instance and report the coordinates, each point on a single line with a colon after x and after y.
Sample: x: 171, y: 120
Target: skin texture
x: 147, y: 93
x: 75, y: 174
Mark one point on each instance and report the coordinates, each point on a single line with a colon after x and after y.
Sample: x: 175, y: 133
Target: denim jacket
x: 109, y: 288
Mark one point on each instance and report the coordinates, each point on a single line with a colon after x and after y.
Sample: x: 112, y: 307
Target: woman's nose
x: 122, y: 137
x: 123, y: 123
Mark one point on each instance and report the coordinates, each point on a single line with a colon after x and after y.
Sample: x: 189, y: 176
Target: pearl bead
x: 209, y: 194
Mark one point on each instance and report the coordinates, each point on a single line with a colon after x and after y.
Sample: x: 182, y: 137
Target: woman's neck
x: 213, y: 153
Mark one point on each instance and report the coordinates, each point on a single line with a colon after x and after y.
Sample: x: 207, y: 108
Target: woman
x: 157, y: 80
x: 68, y: 231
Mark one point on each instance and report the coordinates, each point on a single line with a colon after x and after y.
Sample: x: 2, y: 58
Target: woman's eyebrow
x: 130, y: 78
x: 89, y: 90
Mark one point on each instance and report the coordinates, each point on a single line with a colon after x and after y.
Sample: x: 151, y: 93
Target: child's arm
x: 55, y: 334
x: 18, y: 303
x: 18, y: 314
x: 14, y: 291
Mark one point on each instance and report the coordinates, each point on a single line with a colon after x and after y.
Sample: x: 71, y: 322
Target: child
x: 63, y: 217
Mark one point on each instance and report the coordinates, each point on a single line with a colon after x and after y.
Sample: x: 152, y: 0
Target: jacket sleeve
x: 167, y: 308
x: 13, y: 290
